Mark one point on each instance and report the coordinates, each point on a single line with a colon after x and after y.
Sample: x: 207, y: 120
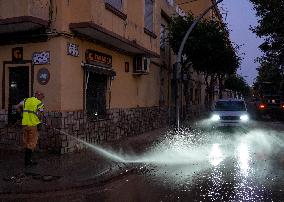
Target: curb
x: 113, y: 173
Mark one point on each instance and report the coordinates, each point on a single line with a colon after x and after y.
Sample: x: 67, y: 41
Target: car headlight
x: 244, y: 117
x: 215, y: 117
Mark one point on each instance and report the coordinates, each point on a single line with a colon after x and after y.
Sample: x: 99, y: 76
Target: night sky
x: 240, y: 16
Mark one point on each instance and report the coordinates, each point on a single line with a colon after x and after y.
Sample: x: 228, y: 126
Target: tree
x: 237, y: 84
x: 208, y: 49
x: 270, y: 27
x: 267, y: 73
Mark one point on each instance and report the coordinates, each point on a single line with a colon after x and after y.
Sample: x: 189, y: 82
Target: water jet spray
x: 97, y: 148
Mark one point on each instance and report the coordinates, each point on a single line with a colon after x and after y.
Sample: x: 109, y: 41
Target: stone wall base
x: 69, y: 127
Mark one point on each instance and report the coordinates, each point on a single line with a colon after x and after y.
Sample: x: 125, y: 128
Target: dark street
x: 212, y: 166
x: 191, y: 165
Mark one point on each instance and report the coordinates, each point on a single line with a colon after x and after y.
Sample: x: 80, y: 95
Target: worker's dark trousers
x: 28, y: 157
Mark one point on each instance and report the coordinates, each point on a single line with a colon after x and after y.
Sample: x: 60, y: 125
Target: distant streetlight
x: 180, y: 55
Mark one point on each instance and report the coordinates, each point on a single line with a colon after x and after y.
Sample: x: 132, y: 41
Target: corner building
x: 104, y: 66
x: 92, y: 59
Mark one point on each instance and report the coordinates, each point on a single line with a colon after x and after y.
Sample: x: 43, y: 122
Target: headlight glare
x: 244, y: 118
x: 215, y: 117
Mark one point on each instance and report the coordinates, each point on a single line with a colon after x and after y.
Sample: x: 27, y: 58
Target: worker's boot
x: 28, y: 158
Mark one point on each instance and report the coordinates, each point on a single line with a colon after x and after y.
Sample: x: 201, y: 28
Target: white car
x: 230, y: 112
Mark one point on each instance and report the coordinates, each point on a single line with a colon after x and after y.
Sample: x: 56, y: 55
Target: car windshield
x: 230, y: 106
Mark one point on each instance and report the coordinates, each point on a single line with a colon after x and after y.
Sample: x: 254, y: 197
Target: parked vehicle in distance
x: 270, y: 103
x: 271, y: 106
x: 231, y: 113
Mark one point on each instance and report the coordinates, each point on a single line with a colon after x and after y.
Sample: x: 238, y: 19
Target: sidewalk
x: 69, y: 171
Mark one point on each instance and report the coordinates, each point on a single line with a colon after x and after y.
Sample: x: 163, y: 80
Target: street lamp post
x: 178, y: 72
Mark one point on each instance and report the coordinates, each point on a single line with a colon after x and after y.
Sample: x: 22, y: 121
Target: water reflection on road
x: 206, y: 165
x: 219, y: 166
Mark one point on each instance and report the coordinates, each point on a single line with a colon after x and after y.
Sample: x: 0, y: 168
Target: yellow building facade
x: 103, y: 66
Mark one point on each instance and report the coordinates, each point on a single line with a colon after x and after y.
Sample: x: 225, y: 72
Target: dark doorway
x: 96, y: 95
x: 18, y: 90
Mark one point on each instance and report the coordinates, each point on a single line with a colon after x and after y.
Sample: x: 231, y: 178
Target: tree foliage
x: 208, y: 49
x: 267, y: 72
x: 271, y: 28
x: 208, y: 46
x: 238, y: 84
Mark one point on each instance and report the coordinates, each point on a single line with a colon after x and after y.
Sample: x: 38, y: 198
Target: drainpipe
x: 50, y: 13
x: 179, y: 59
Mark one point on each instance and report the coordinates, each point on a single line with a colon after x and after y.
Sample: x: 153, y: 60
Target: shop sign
x: 72, y: 49
x: 93, y: 56
x: 41, y: 58
x: 17, y: 54
x: 43, y: 76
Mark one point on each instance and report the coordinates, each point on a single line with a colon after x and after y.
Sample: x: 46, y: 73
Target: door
x: 96, y: 95
x: 18, y: 90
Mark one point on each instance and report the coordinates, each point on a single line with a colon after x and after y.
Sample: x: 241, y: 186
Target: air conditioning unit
x: 141, y: 64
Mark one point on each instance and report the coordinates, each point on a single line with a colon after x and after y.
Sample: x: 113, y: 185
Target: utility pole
x: 178, y: 71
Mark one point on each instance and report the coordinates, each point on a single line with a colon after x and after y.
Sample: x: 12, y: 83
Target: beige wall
x: 65, y: 88
x: 64, y: 91
x: 72, y: 76
x: 127, y: 90
x: 17, y: 8
x: 66, y: 12
x: 52, y: 88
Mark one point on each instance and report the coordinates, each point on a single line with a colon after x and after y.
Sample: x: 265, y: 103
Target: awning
x: 96, y: 32
x: 98, y: 69
x: 21, y: 24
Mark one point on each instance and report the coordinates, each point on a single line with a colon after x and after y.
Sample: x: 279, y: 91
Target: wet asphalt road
x: 196, y: 165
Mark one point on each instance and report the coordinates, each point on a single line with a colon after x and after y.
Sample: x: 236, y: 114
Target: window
x: 141, y: 64
x: 148, y: 18
x: 162, y: 36
x: 230, y: 106
x: 115, y: 3
x: 96, y: 85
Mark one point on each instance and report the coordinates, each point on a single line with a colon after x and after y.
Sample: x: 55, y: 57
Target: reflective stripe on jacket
x: 30, y: 109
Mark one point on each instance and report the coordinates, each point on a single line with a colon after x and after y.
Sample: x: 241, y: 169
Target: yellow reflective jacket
x: 30, y: 109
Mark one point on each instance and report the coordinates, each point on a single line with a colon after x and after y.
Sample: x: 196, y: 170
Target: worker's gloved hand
x: 39, y: 127
x: 47, y: 123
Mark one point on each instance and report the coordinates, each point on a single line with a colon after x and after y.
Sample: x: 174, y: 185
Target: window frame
x: 149, y: 29
x: 115, y: 10
x: 111, y: 2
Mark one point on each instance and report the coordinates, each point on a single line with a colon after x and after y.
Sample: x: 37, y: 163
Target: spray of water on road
x: 192, y: 145
x: 106, y: 153
x: 210, y: 161
x: 186, y: 152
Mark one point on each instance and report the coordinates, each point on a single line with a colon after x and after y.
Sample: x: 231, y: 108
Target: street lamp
x: 178, y: 72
